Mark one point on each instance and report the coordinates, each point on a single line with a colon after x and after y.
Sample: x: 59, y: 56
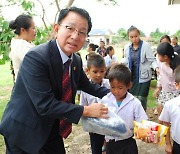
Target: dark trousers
x: 54, y: 144
x: 97, y: 141
x: 127, y: 146
x: 176, y: 148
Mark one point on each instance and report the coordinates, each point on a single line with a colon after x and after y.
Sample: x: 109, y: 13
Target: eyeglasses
x: 72, y: 29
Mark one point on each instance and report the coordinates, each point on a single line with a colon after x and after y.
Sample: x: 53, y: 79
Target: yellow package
x: 154, y: 131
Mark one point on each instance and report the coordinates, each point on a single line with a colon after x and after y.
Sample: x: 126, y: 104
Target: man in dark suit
x: 30, y: 124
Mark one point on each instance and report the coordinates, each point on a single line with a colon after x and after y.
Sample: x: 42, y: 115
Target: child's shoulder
x: 131, y: 98
x: 108, y: 97
x: 173, y: 102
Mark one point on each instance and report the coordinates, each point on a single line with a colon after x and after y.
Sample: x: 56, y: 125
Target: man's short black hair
x: 63, y: 13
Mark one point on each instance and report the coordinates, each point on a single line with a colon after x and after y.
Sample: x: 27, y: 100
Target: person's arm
x: 157, y: 91
x: 165, y: 119
x: 168, y: 147
x: 150, y: 56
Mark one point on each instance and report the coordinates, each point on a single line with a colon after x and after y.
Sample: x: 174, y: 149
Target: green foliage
x: 121, y: 35
x: 27, y: 6
x: 142, y: 33
x: 5, y: 38
x: 177, y: 34
x: 155, y: 36
x: 6, y: 33
x: 42, y: 35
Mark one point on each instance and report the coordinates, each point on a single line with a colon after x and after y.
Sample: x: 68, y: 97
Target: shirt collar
x: 63, y: 55
x: 131, y: 46
x: 125, y: 101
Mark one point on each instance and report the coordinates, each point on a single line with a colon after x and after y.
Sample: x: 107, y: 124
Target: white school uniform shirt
x: 129, y: 110
x: 108, y: 60
x: 171, y: 113
x: 87, y: 99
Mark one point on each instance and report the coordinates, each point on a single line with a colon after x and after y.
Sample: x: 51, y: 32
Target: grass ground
x: 6, y: 84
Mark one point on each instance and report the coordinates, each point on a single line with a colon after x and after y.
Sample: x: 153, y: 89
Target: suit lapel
x: 74, y: 70
x: 57, y: 64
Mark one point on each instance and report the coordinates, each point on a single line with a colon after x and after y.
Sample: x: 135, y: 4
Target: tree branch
x: 70, y: 3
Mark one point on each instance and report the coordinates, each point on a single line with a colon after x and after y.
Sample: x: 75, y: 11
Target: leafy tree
x: 5, y: 32
x: 156, y: 35
x: 142, y: 33
x: 177, y: 34
x: 5, y: 37
x: 28, y: 6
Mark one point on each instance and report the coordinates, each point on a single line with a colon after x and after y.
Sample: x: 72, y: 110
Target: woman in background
x: 139, y: 57
x: 24, y: 28
x: 91, y: 49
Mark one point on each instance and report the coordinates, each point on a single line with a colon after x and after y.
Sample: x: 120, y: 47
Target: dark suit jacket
x: 36, y: 103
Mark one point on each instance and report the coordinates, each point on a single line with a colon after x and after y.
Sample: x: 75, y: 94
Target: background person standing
x: 24, y: 28
x: 139, y: 56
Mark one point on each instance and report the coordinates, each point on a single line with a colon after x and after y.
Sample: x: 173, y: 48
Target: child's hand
x: 168, y: 148
x: 146, y: 139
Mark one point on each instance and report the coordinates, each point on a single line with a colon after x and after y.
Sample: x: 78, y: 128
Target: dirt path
x: 78, y: 141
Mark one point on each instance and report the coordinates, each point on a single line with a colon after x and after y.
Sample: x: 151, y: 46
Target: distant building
x: 97, y: 35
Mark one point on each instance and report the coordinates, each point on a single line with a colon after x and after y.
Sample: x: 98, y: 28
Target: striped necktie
x: 65, y: 126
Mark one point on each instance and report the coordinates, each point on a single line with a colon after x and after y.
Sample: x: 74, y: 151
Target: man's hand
x: 97, y: 110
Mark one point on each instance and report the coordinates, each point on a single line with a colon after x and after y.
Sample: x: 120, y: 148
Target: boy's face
x: 96, y: 73
x: 119, y: 89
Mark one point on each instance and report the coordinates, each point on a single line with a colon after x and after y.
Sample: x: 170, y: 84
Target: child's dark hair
x: 95, y: 60
x: 110, y: 48
x: 165, y: 37
x: 132, y: 28
x: 166, y: 49
x: 177, y: 74
x: 121, y: 73
x: 22, y: 21
x: 93, y: 46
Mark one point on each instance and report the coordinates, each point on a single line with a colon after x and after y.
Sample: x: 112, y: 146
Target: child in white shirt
x: 126, y: 106
x: 110, y: 58
x: 96, y: 70
x: 170, y: 116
